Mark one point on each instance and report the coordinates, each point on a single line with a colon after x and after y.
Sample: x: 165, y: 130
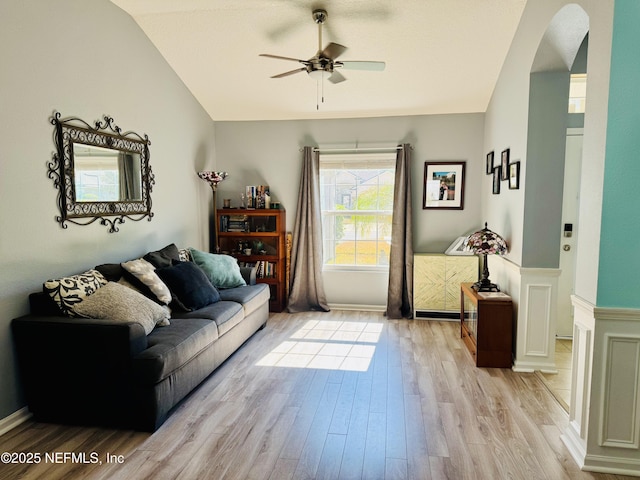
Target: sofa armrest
x: 60, y: 327
x: 76, y: 370
x: 249, y: 274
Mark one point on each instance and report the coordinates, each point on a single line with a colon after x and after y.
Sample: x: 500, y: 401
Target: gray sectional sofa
x: 109, y: 369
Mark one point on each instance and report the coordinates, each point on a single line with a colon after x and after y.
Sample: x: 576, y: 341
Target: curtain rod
x: 357, y: 149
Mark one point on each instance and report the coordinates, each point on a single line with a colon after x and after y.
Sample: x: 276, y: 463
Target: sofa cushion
x: 189, y: 286
x: 250, y: 296
x: 172, y: 347
x: 163, y: 257
x: 145, y: 273
x: 68, y: 291
x: 222, y: 270
x: 111, y: 271
x: 226, y: 315
x: 120, y: 304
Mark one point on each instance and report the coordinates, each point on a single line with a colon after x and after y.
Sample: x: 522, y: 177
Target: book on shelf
x: 264, y: 269
x: 234, y: 223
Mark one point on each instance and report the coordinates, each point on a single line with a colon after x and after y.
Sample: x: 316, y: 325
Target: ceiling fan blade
x: 361, y: 65
x: 291, y: 72
x: 333, y: 51
x: 336, y: 77
x: 306, y: 62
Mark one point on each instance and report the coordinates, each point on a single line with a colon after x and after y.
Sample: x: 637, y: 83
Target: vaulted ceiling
x: 442, y: 56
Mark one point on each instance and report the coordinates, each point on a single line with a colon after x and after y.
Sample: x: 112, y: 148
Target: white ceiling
x: 442, y: 56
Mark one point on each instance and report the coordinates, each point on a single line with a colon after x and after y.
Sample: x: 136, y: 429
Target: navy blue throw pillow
x: 189, y: 286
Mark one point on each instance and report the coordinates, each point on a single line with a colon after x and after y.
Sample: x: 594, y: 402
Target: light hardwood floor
x: 338, y: 395
x: 560, y: 383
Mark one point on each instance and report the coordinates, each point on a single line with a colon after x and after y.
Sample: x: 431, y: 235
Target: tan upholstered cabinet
x: 436, y: 283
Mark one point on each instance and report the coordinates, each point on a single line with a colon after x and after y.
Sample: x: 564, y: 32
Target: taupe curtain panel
x: 307, y: 288
x: 130, y: 184
x: 400, y: 293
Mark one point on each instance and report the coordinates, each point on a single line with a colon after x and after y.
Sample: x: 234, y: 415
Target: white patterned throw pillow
x: 69, y: 291
x: 146, y: 273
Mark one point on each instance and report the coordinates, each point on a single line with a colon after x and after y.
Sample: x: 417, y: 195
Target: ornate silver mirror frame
x: 123, y: 198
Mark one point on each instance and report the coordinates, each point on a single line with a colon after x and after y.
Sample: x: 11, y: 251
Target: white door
x: 570, y: 203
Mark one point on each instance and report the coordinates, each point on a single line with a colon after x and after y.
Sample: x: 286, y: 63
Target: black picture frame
x: 489, y: 166
x: 497, y: 176
x: 443, y: 186
x: 514, y: 176
x: 504, y: 163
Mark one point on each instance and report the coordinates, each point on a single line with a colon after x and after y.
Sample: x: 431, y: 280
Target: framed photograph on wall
x: 489, y: 167
x: 514, y: 175
x: 497, y: 176
x: 443, y: 185
x: 504, y: 163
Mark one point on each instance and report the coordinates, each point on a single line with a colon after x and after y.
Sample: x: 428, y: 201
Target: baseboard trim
x: 437, y: 315
x: 356, y: 307
x: 15, y: 419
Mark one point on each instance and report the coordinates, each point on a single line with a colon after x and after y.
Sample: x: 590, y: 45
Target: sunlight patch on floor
x: 329, y: 345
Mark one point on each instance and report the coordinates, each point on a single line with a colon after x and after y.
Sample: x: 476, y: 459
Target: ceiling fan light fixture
x: 317, y: 75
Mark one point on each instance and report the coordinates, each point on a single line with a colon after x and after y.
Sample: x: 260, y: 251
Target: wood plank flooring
x: 338, y: 395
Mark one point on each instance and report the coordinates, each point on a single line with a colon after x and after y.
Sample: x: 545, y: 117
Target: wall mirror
x: 100, y: 172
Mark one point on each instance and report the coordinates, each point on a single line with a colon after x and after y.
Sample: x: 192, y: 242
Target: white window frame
x: 354, y: 161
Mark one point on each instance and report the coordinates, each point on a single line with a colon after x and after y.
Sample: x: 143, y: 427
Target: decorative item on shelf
x: 257, y: 196
x: 485, y: 242
x: 213, y: 179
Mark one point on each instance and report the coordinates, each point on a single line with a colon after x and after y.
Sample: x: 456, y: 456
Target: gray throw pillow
x: 120, y: 304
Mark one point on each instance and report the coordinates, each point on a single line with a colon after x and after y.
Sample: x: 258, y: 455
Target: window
x: 356, y: 195
x: 96, y: 180
x: 578, y: 93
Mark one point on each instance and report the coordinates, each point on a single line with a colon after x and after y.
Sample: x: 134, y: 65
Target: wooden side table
x: 486, y: 326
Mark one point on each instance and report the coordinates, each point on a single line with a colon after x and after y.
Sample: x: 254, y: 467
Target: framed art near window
x: 504, y: 163
x: 443, y: 185
x: 489, y: 168
x: 497, y: 174
x: 514, y: 176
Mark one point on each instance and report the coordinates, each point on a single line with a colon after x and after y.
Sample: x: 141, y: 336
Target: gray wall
x: 268, y: 153
x: 506, y: 125
x: 547, y: 127
x: 86, y: 59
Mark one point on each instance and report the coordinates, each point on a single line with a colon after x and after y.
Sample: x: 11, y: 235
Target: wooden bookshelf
x: 264, y: 232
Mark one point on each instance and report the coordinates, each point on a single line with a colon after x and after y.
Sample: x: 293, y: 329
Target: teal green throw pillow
x: 222, y: 270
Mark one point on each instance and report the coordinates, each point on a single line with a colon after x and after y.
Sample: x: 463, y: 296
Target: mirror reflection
x: 105, y: 175
x: 101, y: 173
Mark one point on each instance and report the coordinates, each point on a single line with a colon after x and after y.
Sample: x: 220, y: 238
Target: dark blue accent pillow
x: 189, y: 286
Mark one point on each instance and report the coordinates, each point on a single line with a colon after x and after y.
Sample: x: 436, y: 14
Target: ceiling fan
x: 324, y: 64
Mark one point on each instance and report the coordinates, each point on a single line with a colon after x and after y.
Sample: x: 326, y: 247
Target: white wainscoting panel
x: 575, y: 436
x: 536, y: 320
x: 604, y: 429
x: 619, y: 426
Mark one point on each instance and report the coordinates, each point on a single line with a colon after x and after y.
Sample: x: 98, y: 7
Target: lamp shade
x: 213, y: 178
x: 486, y: 242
